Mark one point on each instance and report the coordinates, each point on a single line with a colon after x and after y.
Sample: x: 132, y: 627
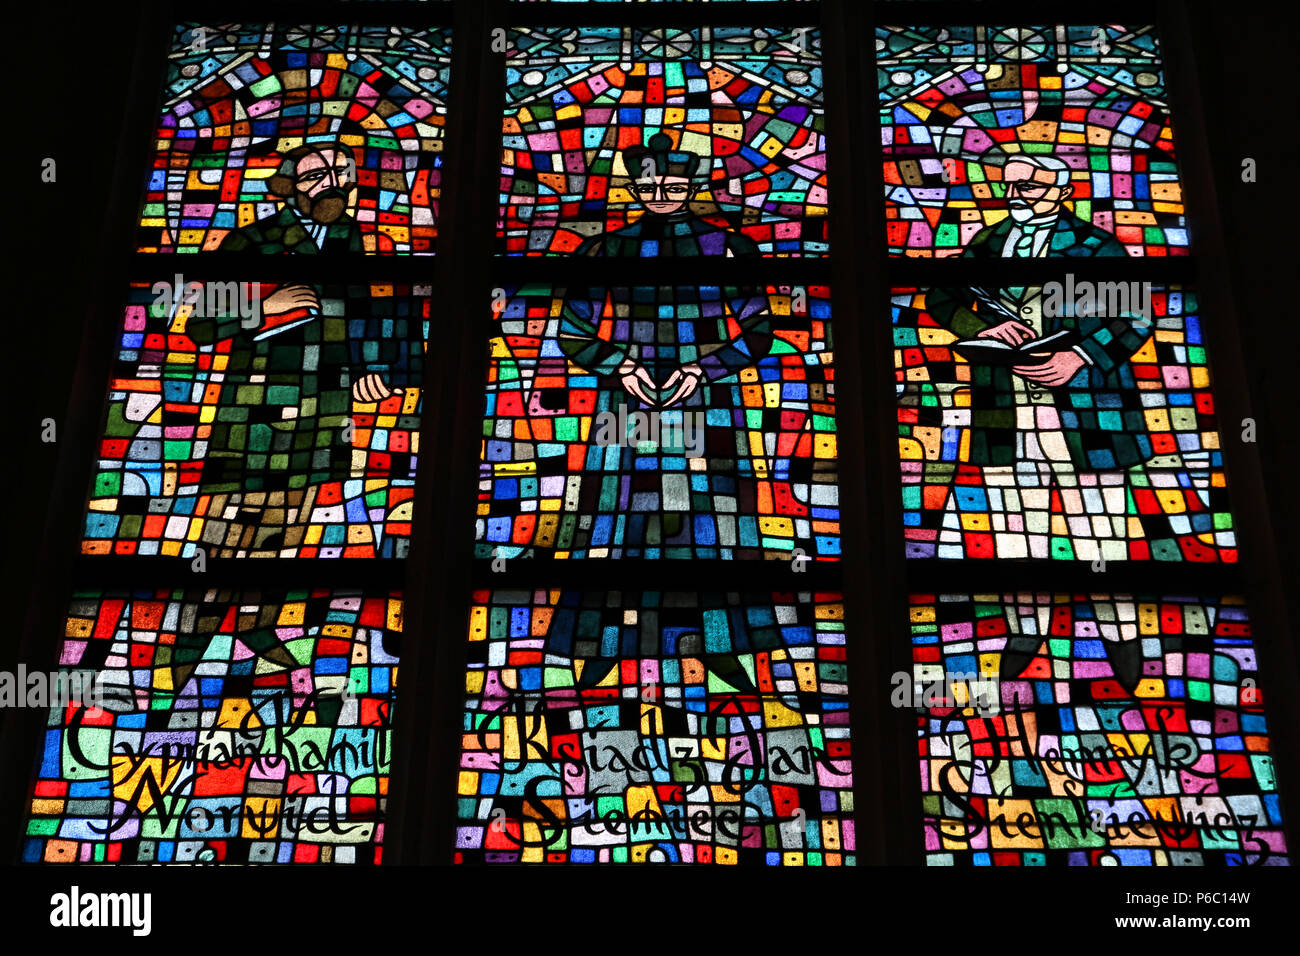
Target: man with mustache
x: 317, y: 183
x: 1039, y: 224
x: 1071, y: 425
x: 1069, y: 420
x: 266, y: 458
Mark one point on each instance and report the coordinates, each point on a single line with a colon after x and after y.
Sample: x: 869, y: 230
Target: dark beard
x: 327, y: 208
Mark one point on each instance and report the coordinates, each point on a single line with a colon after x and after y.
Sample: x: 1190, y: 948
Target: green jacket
x: 664, y: 345
x: 286, y: 395
x: 1071, y: 236
x: 303, y: 371
x: 284, y: 232
x: 1100, y: 407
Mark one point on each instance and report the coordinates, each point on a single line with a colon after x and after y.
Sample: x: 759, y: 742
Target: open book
x: 997, y: 352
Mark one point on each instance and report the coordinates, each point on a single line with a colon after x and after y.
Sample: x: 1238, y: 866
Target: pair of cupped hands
x: 680, y: 385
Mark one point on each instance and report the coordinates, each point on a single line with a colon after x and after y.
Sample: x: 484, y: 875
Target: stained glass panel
x: 1092, y: 730
x: 1120, y: 460
x: 660, y: 422
x: 727, y: 121
x: 280, y: 138
x: 991, y: 132
x: 656, y: 727
x: 233, y: 728
x: 261, y: 419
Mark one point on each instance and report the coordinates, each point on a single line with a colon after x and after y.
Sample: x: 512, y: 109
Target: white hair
x: 1050, y: 163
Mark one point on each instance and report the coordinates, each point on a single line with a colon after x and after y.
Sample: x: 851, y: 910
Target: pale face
x: 324, y: 181
x: 1032, y: 192
x: 663, y: 195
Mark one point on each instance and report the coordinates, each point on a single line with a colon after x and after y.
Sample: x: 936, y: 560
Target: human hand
x: 1058, y: 370
x: 687, y: 379
x: 636, y: 380
x: 372, y: 388
x: 1011, y: 331
x: 290, y: 297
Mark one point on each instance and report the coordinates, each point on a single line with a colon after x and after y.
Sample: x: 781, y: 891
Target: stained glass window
x: 475, y: 373
x: 274, y: 415
x: 1049, y: 410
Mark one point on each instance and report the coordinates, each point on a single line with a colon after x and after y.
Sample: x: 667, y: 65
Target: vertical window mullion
x: 442, y: 542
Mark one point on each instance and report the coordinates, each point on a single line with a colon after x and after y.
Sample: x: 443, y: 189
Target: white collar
x: 317, y: 230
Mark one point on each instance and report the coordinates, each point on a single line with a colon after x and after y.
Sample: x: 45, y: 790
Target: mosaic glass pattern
x: 1093, y: 730
x: 248, y: 111
x: 660, y: 422
x: 961, y: 108
x: 656, y: 727
x: 234, y: 729
x: 738, y: 111
x: 286, y: 430
x: 1122, y: 461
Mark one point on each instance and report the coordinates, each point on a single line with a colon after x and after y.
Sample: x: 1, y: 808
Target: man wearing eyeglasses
x: 664, y: 180
x: 673, y: 351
